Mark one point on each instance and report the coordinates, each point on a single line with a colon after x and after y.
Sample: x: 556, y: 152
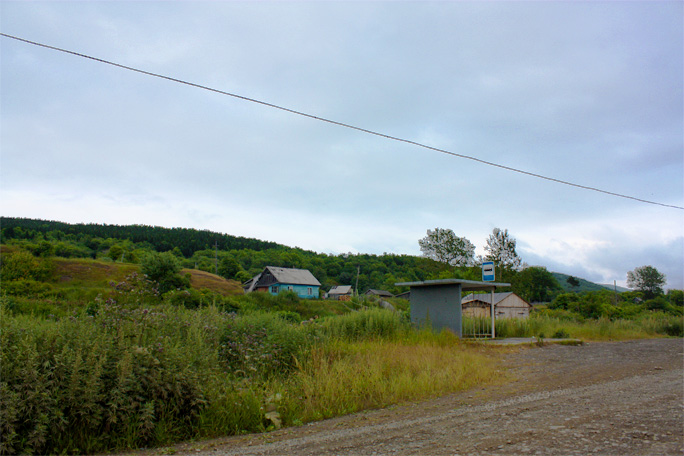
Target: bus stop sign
x: 488, y: 271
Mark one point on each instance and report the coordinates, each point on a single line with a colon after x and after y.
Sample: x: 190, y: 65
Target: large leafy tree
x: 500, y: 249
x: 535, y: 284
x: 164, y: 268
x: 443, y: 245
x: 648, y: 280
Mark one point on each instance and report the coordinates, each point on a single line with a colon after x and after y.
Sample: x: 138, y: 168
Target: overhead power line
x: 341, y: 124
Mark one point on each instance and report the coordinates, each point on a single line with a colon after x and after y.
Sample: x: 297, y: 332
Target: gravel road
x: 612, y: 398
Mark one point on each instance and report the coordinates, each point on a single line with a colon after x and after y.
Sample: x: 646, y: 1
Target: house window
x: 274, y: 289
x: 310, y: 291
x: 290, y: 288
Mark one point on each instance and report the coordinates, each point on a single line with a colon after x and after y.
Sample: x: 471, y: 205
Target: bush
x: 88, y: 383
x: 22, y: 265
x: 163, y: 269
x: 261, y: 345
x: 27, y: 287
x: 560, y: 334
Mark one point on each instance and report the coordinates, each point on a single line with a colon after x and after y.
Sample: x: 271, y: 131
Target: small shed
x: 506, y: 305
x: 438, y: 302
x: 379, y: 293
x: 405, y: 295
x: 341, y: 293
x: 273, y: 280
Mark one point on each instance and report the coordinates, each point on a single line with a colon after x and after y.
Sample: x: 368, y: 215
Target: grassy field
x: 84, y: 274
x: 89, y: 367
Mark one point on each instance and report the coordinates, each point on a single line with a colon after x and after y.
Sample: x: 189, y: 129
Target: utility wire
x: 341, y: 124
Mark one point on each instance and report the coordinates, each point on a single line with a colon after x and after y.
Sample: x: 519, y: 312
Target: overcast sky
x: 586, y: 92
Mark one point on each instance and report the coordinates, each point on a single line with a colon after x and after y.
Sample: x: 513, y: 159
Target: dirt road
x: 614, y: 398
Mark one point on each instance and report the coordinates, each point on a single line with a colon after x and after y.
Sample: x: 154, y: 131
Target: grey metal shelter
x: 438, y: 302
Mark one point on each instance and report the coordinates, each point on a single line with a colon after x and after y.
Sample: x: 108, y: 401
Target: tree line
x: 445, y: 255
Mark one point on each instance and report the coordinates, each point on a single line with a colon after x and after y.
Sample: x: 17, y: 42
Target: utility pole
x: 358, y: 271
x: 216, y: 257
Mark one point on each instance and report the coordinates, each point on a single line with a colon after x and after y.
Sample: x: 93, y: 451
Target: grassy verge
x: 655, y: 324
x: 346, y: 377
x: 118, y: 377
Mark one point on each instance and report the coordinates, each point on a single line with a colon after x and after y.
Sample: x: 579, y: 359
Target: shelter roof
x: 466, y: 285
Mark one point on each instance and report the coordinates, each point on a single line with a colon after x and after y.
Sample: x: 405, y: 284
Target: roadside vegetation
x: 118, y: 376
x: 108, y: 344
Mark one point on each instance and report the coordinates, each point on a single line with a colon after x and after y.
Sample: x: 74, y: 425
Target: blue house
x: 274, y: 280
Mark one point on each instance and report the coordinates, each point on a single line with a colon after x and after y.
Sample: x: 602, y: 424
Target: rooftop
x: 466, y: 285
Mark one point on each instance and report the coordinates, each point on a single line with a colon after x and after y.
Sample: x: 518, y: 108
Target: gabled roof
x: 371, y: 291
x: 486, y: 297
x: 293, y: 276
x: 340, y: 290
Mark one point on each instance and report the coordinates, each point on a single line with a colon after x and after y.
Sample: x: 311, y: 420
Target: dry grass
x: 87, y: 273
x: 349, y: 377
x: 90, y: 273
x: 202, y: 279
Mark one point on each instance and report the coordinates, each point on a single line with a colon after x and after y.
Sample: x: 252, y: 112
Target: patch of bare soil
x: 612, y: 398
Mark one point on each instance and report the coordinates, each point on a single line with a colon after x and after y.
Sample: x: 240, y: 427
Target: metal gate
x: 480, y: 322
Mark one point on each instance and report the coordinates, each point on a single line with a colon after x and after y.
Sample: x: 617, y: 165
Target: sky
x: 585, y: 92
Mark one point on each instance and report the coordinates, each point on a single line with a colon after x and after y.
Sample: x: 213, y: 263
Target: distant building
x: 379, y: 293
x: 274, y: 280
x: 506, y: 305
x: 341, y: 293
x: 405, y: 295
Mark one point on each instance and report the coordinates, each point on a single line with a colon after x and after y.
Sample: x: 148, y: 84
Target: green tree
x: 163, y: 269
x: 23, y: 265
x: 573, y: 281
x: 535, y: 284
x: 648, y: 280
x: 229, y: 267
x: 444, y: 246
x: 676, y: 297
x: 500, y: 249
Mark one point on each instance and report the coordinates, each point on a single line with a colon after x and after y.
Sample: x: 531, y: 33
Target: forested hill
x: 161, y: 239
x: 233, y: 257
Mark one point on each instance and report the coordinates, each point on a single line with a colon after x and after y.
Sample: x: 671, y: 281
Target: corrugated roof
x: 293, y: 276
x: 340, y: 290
x: 379, y: 292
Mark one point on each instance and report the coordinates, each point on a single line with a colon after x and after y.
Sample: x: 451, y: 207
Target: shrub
x: 163, y: 268
x: 560, y: 334
x: 22, y: 265
x: 118, y: 379
x: 261, y: 345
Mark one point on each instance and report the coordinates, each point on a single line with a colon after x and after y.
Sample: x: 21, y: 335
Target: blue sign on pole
x: 488, y: 271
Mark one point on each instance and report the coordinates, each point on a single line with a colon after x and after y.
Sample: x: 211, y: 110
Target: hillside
x: 87, y: 274
x: 584, y: 285
x: 203, y: 252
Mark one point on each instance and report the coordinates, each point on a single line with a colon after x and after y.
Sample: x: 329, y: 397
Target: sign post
x: 488, y: 276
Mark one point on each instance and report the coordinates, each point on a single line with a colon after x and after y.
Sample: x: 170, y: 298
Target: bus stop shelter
x: 438, y: 302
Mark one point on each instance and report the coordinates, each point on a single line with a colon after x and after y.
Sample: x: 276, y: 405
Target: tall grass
x: 656, y: 324
x: 125, y: 377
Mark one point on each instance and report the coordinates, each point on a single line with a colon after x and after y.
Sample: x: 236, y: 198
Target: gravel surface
x: 611, y: 398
